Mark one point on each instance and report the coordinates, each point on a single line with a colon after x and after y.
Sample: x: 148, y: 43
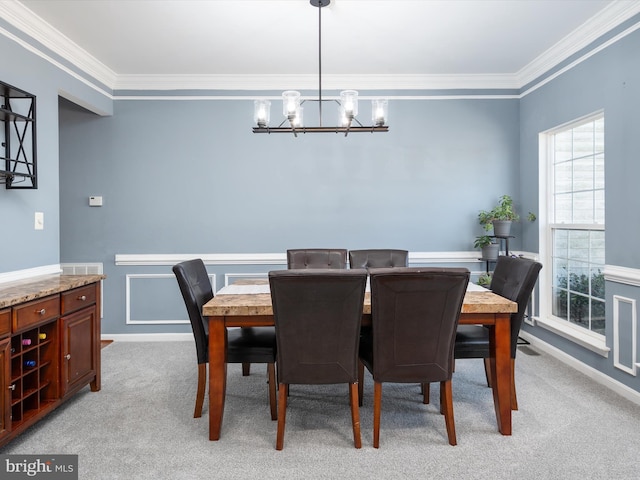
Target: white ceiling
x: 410, y: 39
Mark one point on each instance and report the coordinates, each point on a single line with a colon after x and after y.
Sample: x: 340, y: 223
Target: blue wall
x: 185, y: 176
x: 608, y: 81
x: 21, y: 246
x: 181, y: 176
x: 190, y: 177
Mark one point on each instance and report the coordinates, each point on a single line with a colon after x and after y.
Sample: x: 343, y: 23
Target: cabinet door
x: 78, y: 349
x: 5, y: 384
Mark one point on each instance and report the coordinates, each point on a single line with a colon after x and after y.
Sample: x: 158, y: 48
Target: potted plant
x: 500, y: 217
x: 489, y: 248
x: 484, y: 280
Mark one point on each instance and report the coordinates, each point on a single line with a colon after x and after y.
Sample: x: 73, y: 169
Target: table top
x: 252, y: 297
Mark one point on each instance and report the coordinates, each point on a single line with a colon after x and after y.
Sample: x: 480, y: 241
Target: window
x: 576, y: 227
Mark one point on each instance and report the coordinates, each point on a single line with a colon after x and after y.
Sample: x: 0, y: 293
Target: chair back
x: 317, y: 315
x: 317, y: 258
x: 196, y: 290
x: 415, y: 313
x: 514, y: 278
x: 378, y: 258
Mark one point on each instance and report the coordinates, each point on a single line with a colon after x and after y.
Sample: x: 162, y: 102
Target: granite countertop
x: 260, y: 304
x: 20, y: 291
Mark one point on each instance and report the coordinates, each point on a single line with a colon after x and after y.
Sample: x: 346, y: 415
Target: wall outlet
x: 39, y: 221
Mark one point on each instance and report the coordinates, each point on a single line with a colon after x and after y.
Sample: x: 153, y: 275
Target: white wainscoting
x: 130, y: 280
x: 629, y: 333
x: 274, y: 258
x: 242, y: 259
x: 466, y: 258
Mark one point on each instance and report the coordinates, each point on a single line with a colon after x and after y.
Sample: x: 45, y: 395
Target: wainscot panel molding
x: 625, y: 275
x: 147, y: 278
x: 625, y: 329
x: 272, y: 258
x: 443, y: 257
x: 207, y: 258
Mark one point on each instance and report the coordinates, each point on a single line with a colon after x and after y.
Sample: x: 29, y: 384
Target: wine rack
x: 34, y: 371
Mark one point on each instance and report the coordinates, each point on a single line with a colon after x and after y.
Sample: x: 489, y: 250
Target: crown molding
x: 594, y: 28
x: 310, y: 82
x: 30, y: 24
x: 35, y: 27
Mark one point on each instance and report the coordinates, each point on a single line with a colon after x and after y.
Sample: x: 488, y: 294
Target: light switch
x: 95, y: 201
x: 39, y: 221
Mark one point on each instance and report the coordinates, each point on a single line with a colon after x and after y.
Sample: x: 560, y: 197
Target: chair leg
x: 202, y: 383
x: 355, y: 414
x: 514, y: 398
x: 282, y: 409
x: 377, y: 406
x: 360, y: 382
x: 246, y: 369
x: 446, y: 396
x: 487, y: 369
x: 426, y: 390
x: 271, y: 374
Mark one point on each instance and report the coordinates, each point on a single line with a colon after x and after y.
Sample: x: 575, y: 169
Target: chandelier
x: 292, y: 105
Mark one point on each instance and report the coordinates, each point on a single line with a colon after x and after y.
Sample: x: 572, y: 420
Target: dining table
x: 247, y: 303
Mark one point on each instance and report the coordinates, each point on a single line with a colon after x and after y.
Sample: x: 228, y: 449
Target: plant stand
x: 505, y: 238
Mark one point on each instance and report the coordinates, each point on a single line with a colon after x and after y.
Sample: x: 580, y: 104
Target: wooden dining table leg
x: 500, y: 346
x: 217, y: 374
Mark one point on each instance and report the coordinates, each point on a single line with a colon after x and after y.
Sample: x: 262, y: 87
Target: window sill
x: 584, y: 339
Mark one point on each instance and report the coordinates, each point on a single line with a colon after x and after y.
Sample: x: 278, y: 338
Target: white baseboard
x: 603, y: 379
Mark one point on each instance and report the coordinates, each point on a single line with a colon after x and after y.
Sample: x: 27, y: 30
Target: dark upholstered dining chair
x: 331, y: 258
x: 513, y: 278
x: 378, y: 258
x: 415, y: 312
x: 244, y: 345
x: 317, y: 314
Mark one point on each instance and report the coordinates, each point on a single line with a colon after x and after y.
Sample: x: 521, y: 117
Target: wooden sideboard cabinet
x: 49, y: 347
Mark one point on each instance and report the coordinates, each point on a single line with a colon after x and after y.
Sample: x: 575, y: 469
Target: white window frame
x: 582, y: 336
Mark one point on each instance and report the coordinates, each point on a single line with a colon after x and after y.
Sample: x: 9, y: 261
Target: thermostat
x: 95, y: 201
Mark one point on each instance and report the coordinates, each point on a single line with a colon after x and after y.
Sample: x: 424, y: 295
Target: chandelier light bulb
x: 379, y: 111
x: 290, y: 103
x: 261, y: 112
x: 349, y: 102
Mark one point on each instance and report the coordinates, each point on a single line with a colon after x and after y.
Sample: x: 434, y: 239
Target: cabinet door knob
x: 82, y: 298
x: 41, y: 312
x: 68, y: 356
x: 12, y: 387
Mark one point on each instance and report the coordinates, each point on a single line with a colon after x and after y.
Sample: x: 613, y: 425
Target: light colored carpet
x: 140, y: 426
